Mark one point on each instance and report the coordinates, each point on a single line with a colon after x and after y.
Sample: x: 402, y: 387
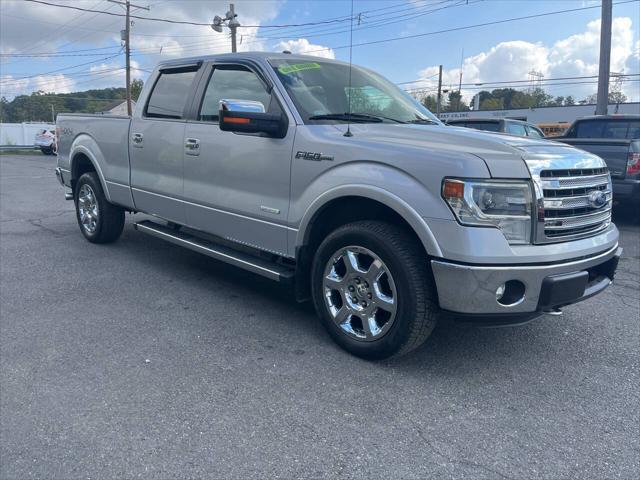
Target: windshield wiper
x: 353, y: 117
x: 423, y: 121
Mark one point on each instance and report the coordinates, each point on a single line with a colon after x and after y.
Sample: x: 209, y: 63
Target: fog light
x: 510, y: 293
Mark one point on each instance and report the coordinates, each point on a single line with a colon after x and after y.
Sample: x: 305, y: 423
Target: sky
x: 71, y: 50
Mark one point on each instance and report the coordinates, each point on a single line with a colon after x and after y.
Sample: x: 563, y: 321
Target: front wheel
x: 373, y: 291
x: 99, y: 220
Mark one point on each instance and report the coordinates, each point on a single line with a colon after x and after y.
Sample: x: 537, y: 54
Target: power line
x: 466, y: 27
x: 61, y: 69
x: 177, y: 22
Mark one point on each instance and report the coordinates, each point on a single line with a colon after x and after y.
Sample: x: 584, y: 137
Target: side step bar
x: 248, y: 262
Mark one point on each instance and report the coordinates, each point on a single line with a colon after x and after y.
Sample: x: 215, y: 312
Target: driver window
x: 234, y: 83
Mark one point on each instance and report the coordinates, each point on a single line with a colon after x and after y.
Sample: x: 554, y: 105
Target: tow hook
x: 556, y: 312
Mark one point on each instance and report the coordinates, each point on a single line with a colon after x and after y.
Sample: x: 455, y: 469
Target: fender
x: 78, y: 146
x: 402, y: 208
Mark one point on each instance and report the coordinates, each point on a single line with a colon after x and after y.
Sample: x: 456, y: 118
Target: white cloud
x: 576, y: 55
x: 303, y: 46
x: 11, y: 87
x: 35, y: 28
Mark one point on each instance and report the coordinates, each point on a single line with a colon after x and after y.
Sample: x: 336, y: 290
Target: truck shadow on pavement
x: 453, y: 348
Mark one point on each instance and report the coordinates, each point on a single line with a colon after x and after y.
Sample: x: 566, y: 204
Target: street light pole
x: 233, y: 26
x: 605, y: 58
x: 439, y: 99
x: 232, y: 23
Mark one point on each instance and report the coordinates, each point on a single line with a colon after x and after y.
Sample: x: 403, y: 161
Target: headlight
x: 502, y: 204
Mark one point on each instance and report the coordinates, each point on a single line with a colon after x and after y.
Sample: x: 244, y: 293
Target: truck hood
x: 505, y: 155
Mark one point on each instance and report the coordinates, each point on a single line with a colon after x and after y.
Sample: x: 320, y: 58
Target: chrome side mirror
x: 246, y: 116
x: 231, y: 105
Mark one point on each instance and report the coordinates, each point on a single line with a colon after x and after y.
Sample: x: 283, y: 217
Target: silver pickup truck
x: 306, y: 171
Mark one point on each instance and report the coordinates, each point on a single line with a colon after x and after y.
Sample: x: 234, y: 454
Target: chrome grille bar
x: 566, y: 203
x: 566, y: 223
x: 573, y: 182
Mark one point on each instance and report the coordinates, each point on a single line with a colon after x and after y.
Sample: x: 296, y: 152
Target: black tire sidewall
x: 92, y: 180
x: 397, y: 335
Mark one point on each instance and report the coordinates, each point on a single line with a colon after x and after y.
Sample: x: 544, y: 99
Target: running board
x: 248, y: 262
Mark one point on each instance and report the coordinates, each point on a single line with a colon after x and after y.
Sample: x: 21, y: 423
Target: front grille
x: 568, y: 208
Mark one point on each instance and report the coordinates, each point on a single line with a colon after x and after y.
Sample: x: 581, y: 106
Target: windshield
x: 320, y: 92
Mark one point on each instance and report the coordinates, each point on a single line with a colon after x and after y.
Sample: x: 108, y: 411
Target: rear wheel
x: 372, y: 289
x: 99, y: 220
x: 46, y: 151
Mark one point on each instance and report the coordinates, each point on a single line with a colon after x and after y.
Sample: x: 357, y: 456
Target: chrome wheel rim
x: 360, y: 293
x: 88, y: 208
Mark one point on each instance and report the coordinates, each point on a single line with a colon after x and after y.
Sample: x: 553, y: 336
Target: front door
x: 156, y: 147
x: 237, y: 185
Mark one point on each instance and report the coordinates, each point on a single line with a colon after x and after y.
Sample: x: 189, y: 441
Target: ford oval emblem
x: 597, y: 199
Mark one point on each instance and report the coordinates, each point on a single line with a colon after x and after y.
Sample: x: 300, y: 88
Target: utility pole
x: 126, y: 37
x: 605, y: 58
x: 232, y: 23
x: 439, y: 99
x: 233, y: 26
x: 53, y: 114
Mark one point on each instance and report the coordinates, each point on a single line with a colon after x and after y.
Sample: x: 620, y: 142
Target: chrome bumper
x: 471, y: 289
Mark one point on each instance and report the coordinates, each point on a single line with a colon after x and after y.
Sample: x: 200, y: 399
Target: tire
x: 99, y: 220
x: 46, y: 151
x: 402, y: 301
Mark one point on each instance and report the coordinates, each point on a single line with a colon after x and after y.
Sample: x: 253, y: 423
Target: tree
x: 569, y: 101
x: 456, y: 104
x: 136, y: 88
x: 617, y: 97
x: 430, y: 102
x: 492, y: 104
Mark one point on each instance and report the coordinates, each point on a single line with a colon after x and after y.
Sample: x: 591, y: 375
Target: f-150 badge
x: 314, y: 156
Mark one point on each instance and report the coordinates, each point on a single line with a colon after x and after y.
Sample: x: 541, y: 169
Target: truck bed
x: 612, y: 151
x: 104, y: 137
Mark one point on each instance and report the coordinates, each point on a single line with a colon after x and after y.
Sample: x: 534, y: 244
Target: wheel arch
x: 82, y: 161
x: 346, y: 205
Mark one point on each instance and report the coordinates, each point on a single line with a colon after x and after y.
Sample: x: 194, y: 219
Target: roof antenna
x: 348, y: 132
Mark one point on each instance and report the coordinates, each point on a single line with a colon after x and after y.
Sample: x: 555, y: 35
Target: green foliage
x: 431, y: 102
x: 136, y: 88
x: 37, y: 106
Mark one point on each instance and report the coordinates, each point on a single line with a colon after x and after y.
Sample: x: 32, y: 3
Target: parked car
x: 503, y: 125
x: 386, y: 218
x: 46, y: 141
x: 616, y: 139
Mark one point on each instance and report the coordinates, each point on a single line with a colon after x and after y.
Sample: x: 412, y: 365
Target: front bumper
x: 469, y: 290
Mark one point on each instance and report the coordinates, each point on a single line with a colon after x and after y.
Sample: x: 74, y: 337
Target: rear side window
x: 516, y: 129
x: 534, y: 132
x: 169, y: 96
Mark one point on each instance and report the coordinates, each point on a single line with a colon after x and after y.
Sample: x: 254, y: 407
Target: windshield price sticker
x: 298, y: 67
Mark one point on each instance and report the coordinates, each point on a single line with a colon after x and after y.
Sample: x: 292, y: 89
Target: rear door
x: 237, y: 185
x: 156, y: 145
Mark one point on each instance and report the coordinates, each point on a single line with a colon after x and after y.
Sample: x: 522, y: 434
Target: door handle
x: 192, y: 146
x: 137, y: 140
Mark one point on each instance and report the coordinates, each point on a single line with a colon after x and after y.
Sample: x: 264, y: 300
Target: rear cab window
x: 169, y: 96
x: 488, y: 126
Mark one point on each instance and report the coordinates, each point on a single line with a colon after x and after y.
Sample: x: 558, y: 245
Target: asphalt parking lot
x: 141, y: 359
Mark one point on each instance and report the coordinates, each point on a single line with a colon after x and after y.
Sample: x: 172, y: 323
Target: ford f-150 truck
x: 305, y: 170
x: 615, y: 139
